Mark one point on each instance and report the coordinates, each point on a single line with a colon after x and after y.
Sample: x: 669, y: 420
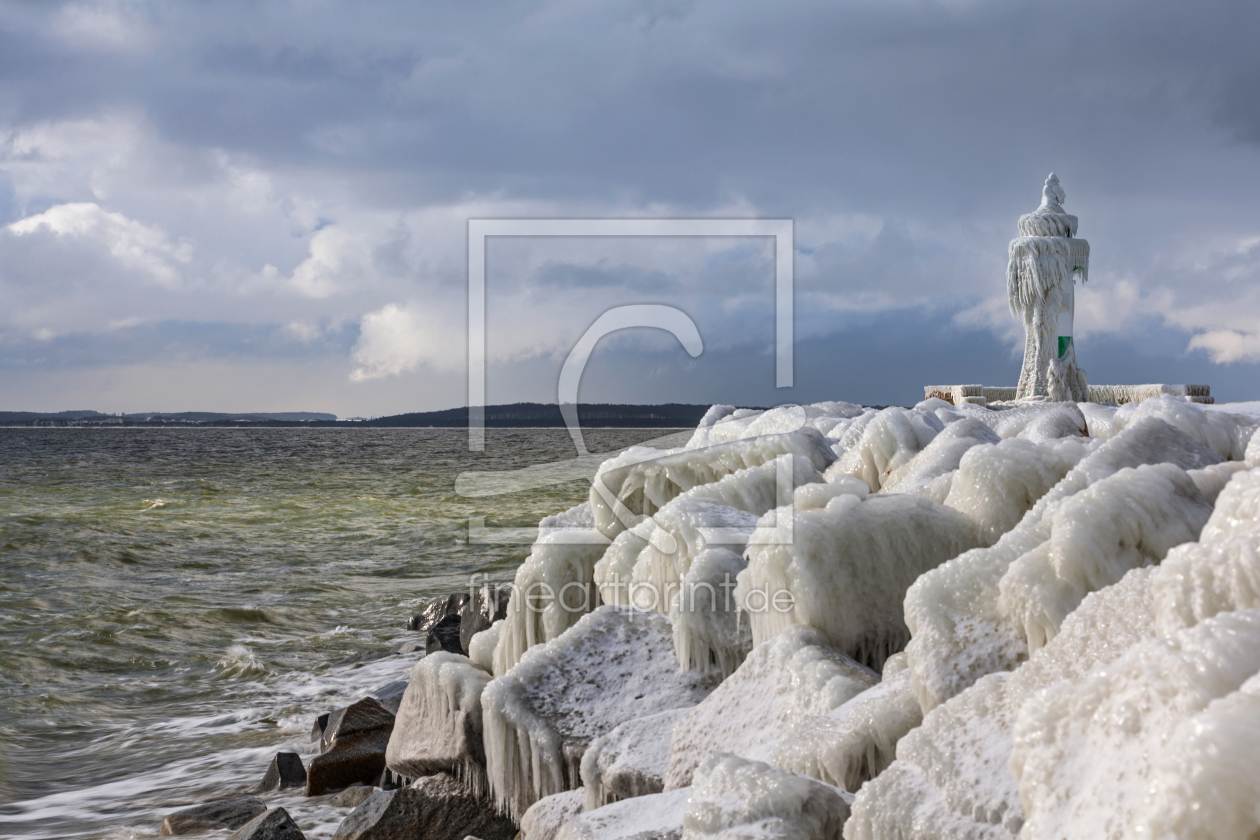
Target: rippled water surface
x: 173, y: 602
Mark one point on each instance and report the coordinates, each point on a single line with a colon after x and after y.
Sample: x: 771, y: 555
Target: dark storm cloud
x: 313, y: 162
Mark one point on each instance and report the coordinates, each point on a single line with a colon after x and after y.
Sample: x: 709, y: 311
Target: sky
x: 264, y: 206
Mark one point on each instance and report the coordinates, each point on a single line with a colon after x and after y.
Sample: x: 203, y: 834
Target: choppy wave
x: 175, y: 601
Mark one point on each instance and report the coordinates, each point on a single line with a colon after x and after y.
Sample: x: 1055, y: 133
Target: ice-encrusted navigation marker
x: 1045, y: 260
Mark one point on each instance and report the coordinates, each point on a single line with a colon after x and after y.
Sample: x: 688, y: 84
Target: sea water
x: 174, y: 602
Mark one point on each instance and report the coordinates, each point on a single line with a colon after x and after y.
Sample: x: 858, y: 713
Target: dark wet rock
x: 405, y: 648
x: 436, y: 610
x: 435, y: 808
x: 391, y: 694
x: 487, y: 605
x: 354, y: 747
x: 444, y: 636
x: 353, y: 796
x: 321, y: 723
x: 228, y: 813
x: 356, y: 758
x: 285, y: 771
x: 276, y: 824
x: 361, y: 716
x: 361, y: 658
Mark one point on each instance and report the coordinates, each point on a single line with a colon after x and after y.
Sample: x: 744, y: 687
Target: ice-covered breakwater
x: 1037, y: 621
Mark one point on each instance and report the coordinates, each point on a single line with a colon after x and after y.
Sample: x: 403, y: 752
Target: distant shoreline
x: 515, y: 415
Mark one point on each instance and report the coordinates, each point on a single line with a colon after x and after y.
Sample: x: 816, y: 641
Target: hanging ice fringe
x: 1044, y: 263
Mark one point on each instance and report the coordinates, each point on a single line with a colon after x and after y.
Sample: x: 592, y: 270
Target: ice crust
x: 554, y: 587
x: 951, y: 779
x: 734, y: 797
x: 783, y: 682
x: 1086, y: 750
x: 958, y: 632
x: 642, y: 480
x: 847, y: 569
x: 616, y: 664
x: 855, y: 742
x: 1225, y: 434
x: 1080, y: 585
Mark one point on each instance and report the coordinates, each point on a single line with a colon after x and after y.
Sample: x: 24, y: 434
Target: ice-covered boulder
x: 846, y: 570
x: 958, y: 633
x: 1087, y: 751
x: 889, y: 440
x: 1225, y: 434
x: 651, y: 565
x: 616, y: 664
x: 997, y: 485
x: 1206, y: 782
x: 709, y: 632
x: 794, y: 676
x: 554, y: 587
x: 642, y: 480
x: 655, y: 817
x: 940, y: 456
x: 736, y: 798
x: 1039, y: 422
x: 629, y: 761
x: 856, y: 741
x: 727, y: 424
x: 438, y: 726
x: 951, y: 779
x: 1098, y: 419
x: 1127, y: 520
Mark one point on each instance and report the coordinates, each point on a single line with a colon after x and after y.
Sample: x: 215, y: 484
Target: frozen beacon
x: 1045, y: 261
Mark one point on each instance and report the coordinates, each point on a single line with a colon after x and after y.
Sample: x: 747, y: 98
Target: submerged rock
x: 228, y: 813
x: 487, y: 605
x: 435, y: 808
x: 437, y: 610
x: 444, y: 636
x: 276, y: 824
x: 285, y: 771
x: 355, y: 738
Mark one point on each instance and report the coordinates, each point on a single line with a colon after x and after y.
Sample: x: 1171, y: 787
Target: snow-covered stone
x: 547, y: 816
x: 734, y: 797
x: 791, y: 678
x: 655, y: 817
x: 629, y: 761
x: 616, y: 664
